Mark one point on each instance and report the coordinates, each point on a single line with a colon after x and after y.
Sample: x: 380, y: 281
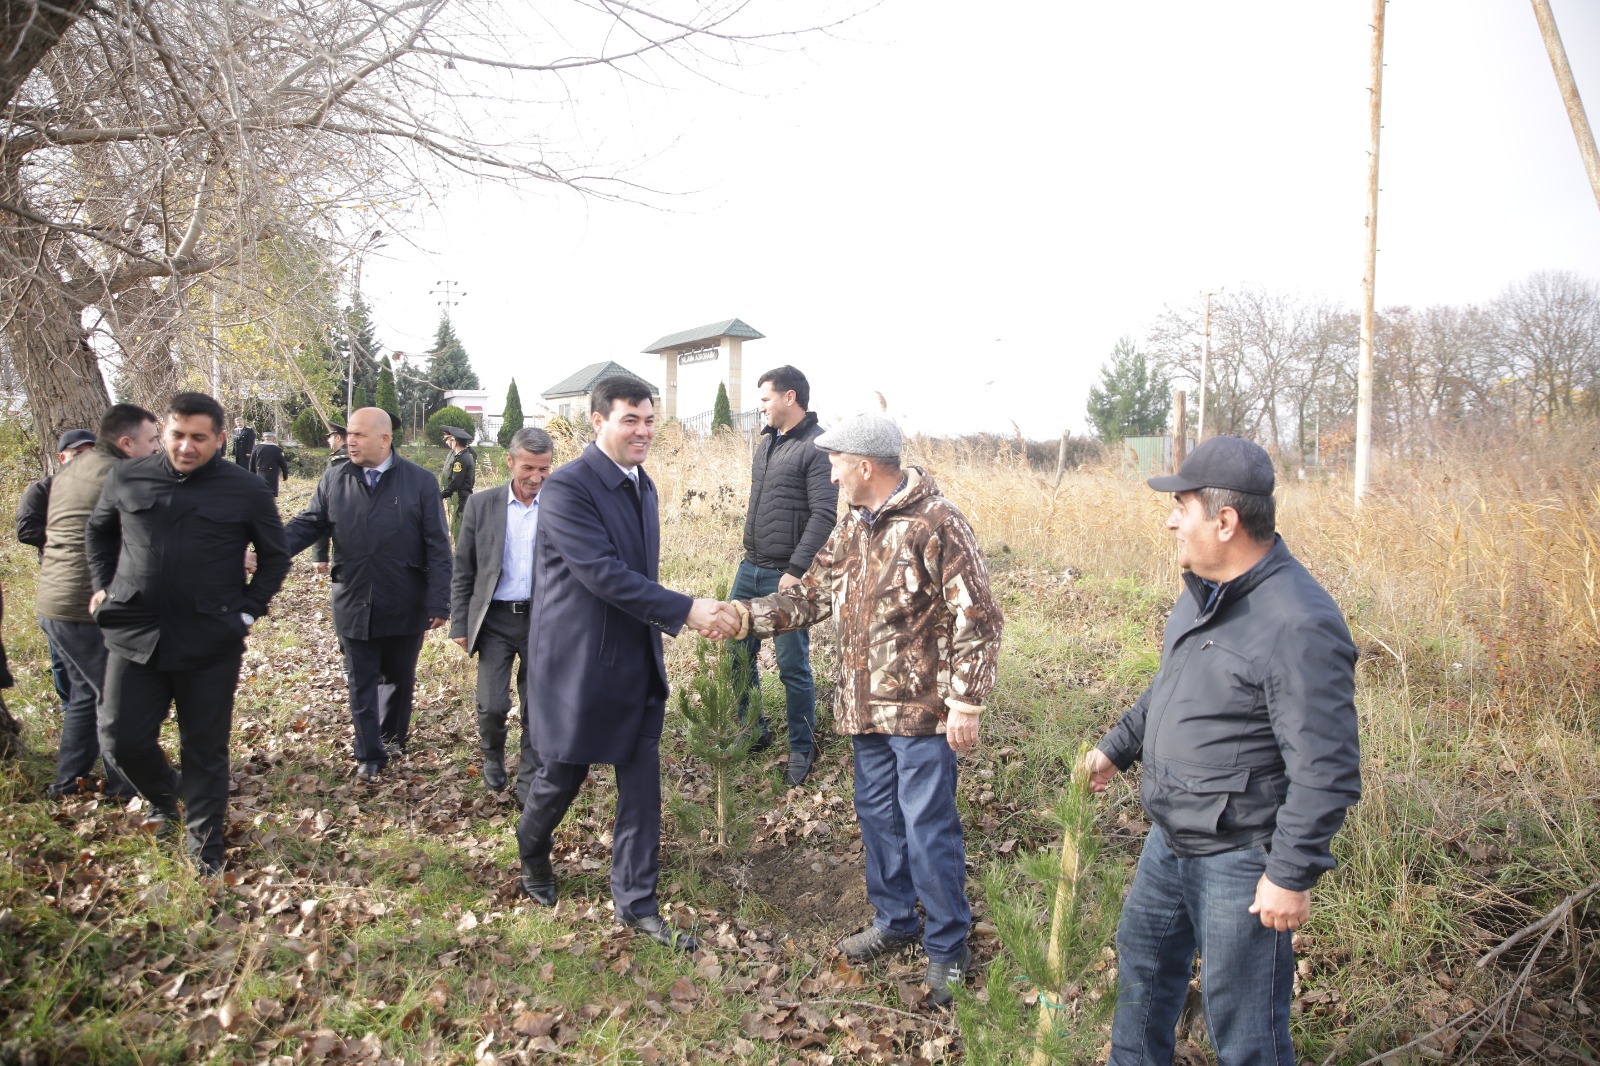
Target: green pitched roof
x: 583, y: 382
x: 731, y: 327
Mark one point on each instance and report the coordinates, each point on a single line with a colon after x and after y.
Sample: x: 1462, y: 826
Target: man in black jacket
x: 460, y: 473
x: 268, y: 463
x: 793, y: 507
x: 1251, y: 757
x: 391, y: 578
x: 244, y: 443
x: 166, y: 546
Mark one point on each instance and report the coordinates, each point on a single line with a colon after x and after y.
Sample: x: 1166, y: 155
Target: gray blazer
x: 479, y: 548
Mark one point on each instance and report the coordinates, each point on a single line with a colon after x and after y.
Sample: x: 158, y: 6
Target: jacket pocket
x: 1188, y: 798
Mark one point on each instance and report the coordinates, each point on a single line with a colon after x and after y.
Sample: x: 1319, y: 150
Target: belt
x: 514, y: 606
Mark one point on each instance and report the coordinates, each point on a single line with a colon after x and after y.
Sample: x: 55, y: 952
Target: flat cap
x: 871, y: 435
x: 1222, y: 463
x: 74, y: 438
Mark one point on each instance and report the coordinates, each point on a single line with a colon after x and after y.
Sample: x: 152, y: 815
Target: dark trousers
x: 83, y: 652
x: 635, y: 835
x: 137, y: 700
x: 381, y: 674
x: 60, y: 679
x: 502, y: 645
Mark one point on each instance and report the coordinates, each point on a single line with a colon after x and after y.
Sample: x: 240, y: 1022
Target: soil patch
x: 804, y: 894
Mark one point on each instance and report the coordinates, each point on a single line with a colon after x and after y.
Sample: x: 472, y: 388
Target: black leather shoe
x: 800, y: 764
x: 759, y: 745
x: 494, y: 771
x: 539, y: 881
x: 164, y: 822
x: 369, y: 771
x: 653, y: 927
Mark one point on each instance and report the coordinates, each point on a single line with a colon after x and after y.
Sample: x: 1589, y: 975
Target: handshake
x: 714, y: 620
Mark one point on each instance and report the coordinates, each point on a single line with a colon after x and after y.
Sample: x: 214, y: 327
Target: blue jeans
x: 911, y: 833
x: 794, y: 661
x: 83, y: 651
x: 1178, y: 905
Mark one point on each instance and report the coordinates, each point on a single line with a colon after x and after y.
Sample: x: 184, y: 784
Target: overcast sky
x: 965, y: 214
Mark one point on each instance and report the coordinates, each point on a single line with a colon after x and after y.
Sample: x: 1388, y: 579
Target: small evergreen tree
x: 1132, y: 399
x: 717, y: 737
x: 721, y: 412
x: 309, y: 430
x: 512, y: 420
x: 449, y: 368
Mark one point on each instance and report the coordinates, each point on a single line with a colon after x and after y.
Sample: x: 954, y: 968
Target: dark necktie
x: 372, y: 479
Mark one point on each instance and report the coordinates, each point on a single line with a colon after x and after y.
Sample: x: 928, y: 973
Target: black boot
x: 494, y: 770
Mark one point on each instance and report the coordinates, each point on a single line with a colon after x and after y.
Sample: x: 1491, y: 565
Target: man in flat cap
x: 1251, y: 758
x: 33, y: 509
x: 321, y: 553
x: 460, y: 473
x: 919, y: 638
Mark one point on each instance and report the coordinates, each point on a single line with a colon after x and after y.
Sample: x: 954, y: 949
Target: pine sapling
x: 716, y: 735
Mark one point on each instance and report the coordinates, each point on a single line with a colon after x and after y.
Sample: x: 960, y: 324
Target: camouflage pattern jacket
x: 917, y: 627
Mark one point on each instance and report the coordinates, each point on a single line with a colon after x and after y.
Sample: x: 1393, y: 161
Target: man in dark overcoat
x: 268, y: 462
x: 244, y: 443
x: 491, y: 593
x: 390, y: 577
x: 595, y: 651
x: 166, y: 548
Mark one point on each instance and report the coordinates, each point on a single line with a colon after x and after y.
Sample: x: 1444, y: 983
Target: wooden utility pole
x: 1180, y: 430
x: 1205, y: 371
x: 1569, y: 93
x: 1368, y: 279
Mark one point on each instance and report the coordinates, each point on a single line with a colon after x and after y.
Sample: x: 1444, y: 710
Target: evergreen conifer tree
x: 709, y: 706
x: 512, y: 420
x: 450, y: 368
x: 1132, y: 399
x: 721, y: 412
x: 387, y: 398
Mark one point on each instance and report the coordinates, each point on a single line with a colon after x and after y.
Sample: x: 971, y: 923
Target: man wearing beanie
x: 919, y: 637
x: 1251, y: 758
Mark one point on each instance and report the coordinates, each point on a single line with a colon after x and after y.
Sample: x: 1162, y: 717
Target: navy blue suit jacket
x: 598, y: 614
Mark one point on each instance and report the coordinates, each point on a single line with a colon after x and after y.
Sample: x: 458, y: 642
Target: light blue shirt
x: 516, y: 558
x: 366, y: 475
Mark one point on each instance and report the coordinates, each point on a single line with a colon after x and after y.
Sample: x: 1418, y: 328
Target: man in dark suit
x: 595, y: 650
x: 268, y: 463
x: 166, y: 546
x: 391, y: 578
x: 244, y: 443
x: 491, y: 590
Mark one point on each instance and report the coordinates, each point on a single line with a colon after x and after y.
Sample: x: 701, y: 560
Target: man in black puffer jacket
x: 793, y: 507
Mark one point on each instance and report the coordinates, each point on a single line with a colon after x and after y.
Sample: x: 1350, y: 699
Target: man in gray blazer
x: 491, y: 589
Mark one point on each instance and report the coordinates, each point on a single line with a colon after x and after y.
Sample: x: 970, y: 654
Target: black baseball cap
x: 74, y: 438
x: 1222, y: 463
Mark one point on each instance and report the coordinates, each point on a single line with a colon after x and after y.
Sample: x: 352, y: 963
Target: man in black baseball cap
x: 1249, y: 743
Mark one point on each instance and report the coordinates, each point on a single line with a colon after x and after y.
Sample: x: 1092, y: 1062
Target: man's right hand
x: 462, y: 641
x: 1099, y: 768
x: 322, y: 569
x: 96, y: 600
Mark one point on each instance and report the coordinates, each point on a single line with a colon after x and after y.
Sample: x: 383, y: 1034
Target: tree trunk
x: 145, y: 323
x: 29, y: 29
x: 44, y: 327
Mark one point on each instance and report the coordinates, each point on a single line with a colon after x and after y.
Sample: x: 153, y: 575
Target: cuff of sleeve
x: 953, y: 704
x: 1119, y: 758
x: 795, y: 571
x: 744, y: 621
x: 1293, y: 878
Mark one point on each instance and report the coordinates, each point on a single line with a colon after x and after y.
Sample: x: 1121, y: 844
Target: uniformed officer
x: 460, y: 472
x: 321, y: 548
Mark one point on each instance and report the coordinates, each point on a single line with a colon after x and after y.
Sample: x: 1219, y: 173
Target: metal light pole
x: 350, y: 374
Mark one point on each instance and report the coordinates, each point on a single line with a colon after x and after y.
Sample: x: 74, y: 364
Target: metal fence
x: 744, y: 422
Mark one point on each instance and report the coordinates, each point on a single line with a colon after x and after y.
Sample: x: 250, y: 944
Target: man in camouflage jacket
x: 919, y: 637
